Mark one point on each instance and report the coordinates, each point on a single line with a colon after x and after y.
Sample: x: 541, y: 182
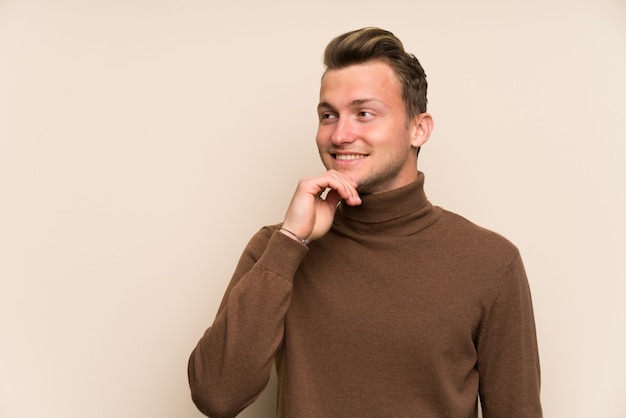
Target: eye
x: 365, y: 114
x: 327, y: 117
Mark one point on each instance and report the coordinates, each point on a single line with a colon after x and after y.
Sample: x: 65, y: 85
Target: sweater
x: 402, y: 309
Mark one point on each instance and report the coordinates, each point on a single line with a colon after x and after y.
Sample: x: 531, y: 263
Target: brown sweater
x: 402, y: 310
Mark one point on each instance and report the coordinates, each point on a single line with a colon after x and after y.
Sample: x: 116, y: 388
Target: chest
x: 403, y: 296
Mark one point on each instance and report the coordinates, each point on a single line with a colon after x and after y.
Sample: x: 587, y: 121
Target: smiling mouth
x: 349, y: 157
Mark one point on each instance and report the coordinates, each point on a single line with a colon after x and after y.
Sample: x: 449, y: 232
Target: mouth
x: 349, y: 157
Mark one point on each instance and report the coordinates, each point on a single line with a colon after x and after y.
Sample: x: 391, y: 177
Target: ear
x: 421, y: 127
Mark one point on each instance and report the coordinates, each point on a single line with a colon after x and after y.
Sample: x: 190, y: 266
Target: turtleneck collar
x: 407, y: 205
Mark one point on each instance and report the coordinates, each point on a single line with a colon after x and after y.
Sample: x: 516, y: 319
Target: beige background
x: 143, y: 142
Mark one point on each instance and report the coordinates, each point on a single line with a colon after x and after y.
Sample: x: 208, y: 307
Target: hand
x: 309, y: 215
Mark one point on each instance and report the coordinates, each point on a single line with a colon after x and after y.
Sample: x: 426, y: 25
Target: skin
x: 365, y: 141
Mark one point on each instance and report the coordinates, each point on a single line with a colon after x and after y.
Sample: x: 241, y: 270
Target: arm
x: 231, y: 363
x: 508, y: 359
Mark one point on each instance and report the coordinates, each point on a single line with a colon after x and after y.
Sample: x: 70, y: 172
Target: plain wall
x: 142, y: 143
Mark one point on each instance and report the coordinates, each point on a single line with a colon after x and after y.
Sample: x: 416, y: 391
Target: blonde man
x: 369, y: 300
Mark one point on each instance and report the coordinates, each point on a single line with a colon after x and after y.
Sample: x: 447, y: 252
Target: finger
x: 342, y: 184
x: 343, y: 177
x: 346, y: 188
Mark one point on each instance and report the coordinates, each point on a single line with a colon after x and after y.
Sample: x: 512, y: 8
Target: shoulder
x: 455, y: 225
x: 463, y: 235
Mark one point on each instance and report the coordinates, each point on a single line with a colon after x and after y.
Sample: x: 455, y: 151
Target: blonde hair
x: 375, y: 44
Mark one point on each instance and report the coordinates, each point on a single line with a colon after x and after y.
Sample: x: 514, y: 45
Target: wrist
x: 294, y: 236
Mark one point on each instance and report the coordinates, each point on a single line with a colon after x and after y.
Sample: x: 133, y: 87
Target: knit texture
x: 403, y: 309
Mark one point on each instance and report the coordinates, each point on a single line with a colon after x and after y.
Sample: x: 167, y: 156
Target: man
x: 370, y: 301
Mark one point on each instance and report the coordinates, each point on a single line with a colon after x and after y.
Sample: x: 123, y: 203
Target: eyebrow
x: 354, y: 103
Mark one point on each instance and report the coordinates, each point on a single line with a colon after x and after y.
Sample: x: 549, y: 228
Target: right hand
x: 309, y: 215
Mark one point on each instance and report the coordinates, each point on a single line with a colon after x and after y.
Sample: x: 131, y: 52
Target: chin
x: 366, y: 187
x: 372, y: 185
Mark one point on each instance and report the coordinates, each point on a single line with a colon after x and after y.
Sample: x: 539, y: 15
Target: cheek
x: 322, y: 137
x: 318, y: 142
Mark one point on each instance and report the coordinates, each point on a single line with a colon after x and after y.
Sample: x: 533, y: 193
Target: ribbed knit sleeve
x: 508, y: 360
x: 231, y: 363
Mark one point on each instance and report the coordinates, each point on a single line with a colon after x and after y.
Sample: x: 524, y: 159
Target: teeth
x: 349, y: 156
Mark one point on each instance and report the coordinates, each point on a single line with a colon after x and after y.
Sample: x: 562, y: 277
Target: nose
x: 343, y: 133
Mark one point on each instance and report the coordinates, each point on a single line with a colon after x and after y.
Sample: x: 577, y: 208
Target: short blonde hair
x: 375, y: 44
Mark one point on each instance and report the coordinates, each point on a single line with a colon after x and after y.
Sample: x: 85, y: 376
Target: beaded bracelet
x: 302, y: 240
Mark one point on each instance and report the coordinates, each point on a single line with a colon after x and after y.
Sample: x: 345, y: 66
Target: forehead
x: 373, y: 80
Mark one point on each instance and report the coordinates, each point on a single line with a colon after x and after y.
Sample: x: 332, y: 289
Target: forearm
x: 232, y: 362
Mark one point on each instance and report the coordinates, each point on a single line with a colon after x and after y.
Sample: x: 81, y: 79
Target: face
x: 363, y: 128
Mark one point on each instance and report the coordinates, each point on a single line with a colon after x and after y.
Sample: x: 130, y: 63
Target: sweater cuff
x: 283, y: 255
